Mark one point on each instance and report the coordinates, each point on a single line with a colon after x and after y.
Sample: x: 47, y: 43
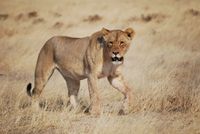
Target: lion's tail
x: 28, y: 89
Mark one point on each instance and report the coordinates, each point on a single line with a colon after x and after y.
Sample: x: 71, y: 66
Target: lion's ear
x: 105, y: 31
x: 130, y: 32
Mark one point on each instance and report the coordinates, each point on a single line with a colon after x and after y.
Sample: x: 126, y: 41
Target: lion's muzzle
x: 117, y: 59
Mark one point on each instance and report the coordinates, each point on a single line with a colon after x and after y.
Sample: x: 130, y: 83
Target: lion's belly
x: 72, y: 69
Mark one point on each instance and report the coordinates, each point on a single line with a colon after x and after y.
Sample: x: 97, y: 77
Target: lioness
x: 94, y: 57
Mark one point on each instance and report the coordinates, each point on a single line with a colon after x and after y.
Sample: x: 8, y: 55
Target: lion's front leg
x: 118, y: 83
x: 94, y: 95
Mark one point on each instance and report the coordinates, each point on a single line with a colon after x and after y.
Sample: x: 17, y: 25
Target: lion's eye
x: 110, y: 42
x: 121, y: 42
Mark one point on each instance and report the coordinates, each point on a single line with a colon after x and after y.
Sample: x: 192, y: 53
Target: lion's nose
x: 115, y: 53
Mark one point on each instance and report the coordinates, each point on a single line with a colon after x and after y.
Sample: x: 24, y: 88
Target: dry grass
x: 162, y: 66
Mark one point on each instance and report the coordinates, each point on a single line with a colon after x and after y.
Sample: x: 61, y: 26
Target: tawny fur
x: 81, y: 58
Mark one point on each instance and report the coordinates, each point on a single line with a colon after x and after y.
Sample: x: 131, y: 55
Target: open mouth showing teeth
x: 117, y: 59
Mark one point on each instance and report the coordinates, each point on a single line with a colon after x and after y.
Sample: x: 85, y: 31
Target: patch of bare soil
x: 155, y: 17
x: 3, y: 16
x: 58, y: 24
x: 193, y: 12
x: 7, y: 32
x: 93, y: 18
x: 38, y: 20
x: 32, y: 14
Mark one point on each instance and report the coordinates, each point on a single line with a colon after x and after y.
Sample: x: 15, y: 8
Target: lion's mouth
x: 116, y: 60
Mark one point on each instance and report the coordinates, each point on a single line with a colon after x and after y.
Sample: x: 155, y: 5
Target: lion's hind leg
x: 44, y: 69
x: 73, y: 88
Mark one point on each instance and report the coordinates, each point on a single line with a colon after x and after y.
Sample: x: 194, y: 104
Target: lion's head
x: 116, y: 43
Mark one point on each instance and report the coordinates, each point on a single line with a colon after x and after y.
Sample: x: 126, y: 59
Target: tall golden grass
x: 162, y: 67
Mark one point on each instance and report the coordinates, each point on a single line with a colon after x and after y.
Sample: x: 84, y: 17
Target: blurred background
x: 162, y: 66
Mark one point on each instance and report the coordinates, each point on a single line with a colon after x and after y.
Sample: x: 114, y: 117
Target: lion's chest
x: 104, y: 70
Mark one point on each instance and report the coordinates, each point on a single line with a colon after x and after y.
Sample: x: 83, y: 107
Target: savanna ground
x: 162, y: 66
